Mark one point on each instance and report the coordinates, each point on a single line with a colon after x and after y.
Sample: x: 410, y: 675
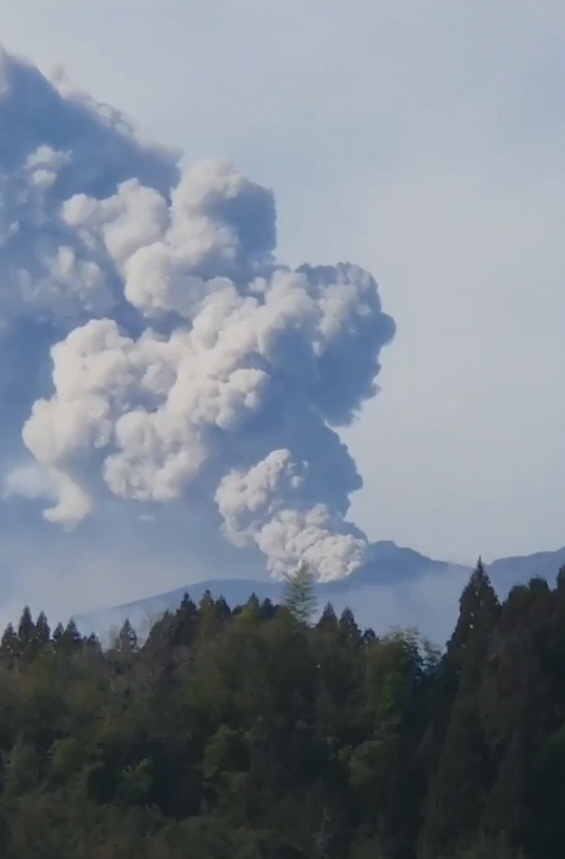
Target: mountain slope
x: 385, y: 591
x: 396, y: 586
x: 506, y: 572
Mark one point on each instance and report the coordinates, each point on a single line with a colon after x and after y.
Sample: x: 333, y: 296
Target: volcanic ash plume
x: 173, y: 360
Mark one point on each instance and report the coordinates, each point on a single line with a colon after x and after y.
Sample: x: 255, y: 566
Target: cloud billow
x: 172, y: 359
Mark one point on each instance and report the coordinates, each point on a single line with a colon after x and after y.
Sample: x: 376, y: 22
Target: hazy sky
x: 424, y: 141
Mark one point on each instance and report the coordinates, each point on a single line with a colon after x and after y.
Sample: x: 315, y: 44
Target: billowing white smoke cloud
x: 186, y: 365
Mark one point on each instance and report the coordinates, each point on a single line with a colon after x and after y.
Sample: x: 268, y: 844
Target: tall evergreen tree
x: 26, y: 629
x: 300, y: 594
x: 10, y: 646
x: 42, y: 634
x: 461, y: 778
x: 479, y: 609
x: 125, y: 642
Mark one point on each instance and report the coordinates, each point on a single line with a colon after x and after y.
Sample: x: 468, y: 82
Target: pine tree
x: 26, y: 629
x: 462, y: 776
x: 183, y: 625
x: 212, y: 614
x: 42, y: 633
x: 349, y: 633
x: 58, y: 634
x: 503, y: 815
x: 328, y: 620
x: 70, y: 639
x: 479, y: 608
x: 126, y: 640
x: 10, y: 645
x: 34, y: 637
x: 300, y: 594
x: 458, y: 789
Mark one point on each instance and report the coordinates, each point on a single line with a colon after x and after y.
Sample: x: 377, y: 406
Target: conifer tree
x: 460, y: 782
x: 71, y: 638
x: 42, y: 633
x: 10, y: 645
x: 126, y: 640
x: 478, y: 610
x: 26, y: 628
x: 328, y: 620
x: 300, y: 594
x: 58, y: 634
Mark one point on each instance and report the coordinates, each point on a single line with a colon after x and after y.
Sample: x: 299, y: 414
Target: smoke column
x: 155, y: 354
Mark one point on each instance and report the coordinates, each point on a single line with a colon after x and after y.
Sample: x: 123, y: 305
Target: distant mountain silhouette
x: 506, y: 572
x: 387, y: 565
x: 395, y: 586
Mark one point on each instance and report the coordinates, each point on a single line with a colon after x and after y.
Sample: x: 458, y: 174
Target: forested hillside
x: 251, y: 734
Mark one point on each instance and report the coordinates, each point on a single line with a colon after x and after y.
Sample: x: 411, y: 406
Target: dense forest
x: 255, y: 733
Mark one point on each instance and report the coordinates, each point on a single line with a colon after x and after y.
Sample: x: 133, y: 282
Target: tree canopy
x: 257, y: 733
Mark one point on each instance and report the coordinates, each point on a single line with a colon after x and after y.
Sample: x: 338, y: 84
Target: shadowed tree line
x: 254, y: 734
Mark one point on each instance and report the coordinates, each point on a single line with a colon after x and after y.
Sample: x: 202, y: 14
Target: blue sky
x: 422, y: 141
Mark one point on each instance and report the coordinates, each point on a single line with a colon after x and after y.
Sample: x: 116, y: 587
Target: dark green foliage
x: 462, y: 771
x: 250, y: 734
x: 10, y: 645
x: 300, y: 594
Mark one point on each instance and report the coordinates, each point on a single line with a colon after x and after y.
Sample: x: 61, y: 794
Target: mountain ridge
x: 395, y: 586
